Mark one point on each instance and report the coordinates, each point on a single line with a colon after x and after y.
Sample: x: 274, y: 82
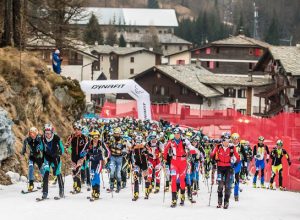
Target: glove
x: 267, y: 160
x: 83, y: 154
x: 290, y: 163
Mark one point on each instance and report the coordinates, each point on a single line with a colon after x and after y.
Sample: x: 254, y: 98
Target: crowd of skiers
x: 139, y: 151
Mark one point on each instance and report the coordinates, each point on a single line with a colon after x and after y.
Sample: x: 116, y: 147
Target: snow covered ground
x: 254, y: 204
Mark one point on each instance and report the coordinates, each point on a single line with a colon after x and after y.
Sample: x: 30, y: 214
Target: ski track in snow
x: 254, y: 204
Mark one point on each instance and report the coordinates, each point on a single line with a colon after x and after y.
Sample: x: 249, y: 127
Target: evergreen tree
x: 122, y: 42
x: 93, y: 32
x: 272, y: 36
x: 111, y: 38
x: 153, y: 4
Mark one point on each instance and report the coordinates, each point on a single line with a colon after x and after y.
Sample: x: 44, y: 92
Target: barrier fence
x: 285, y: 126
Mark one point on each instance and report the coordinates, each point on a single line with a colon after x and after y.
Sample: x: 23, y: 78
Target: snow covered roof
x: 189, y: 76
x: 106, y: 49
x: 132, y: 16
x: 241, y: 40
x: 162, y: 38
x: 289, y: 57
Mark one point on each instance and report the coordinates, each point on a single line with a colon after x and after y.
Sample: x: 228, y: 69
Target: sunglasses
x: 48, y: 132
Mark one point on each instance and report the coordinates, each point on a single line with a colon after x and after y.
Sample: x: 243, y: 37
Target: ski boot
x: 61, y: 193
x: 135, y: 196
x: 166, y: 189
x: 96, y: 194
x: 45, y: 195
x: 271, y: 186
x: 254, y: 185
x: 147, y: 192
x: 226, y: 204
x: 30, y: 186
x: 174, y: 200
x: 236, y: 198
x: 118, y: 187
x: 88, y: 187
x: 282, y: 188
x: 182, y: 197
x: 156, y: 189
x: 123, y: 185
x: 262, y: 186
x: 219, y: 203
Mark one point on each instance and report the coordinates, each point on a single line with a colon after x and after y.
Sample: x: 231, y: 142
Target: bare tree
x: 55, y: 19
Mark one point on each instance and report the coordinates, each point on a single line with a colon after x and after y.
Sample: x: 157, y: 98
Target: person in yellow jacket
x: 276, y: 155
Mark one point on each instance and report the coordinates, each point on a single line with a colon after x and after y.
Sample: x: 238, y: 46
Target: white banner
x: 121, y: 86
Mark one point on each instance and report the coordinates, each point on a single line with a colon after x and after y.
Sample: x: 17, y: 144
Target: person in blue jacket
x: 56, y: 61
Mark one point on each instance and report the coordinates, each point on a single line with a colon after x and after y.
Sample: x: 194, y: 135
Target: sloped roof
x: 106, y: 49
x: 132, y: 16
x: 189, y: 75
x: 241, y: 40
x: 220, y: 79
x: 46, y: 42
x: 289, y: 58
x: 162, y: 38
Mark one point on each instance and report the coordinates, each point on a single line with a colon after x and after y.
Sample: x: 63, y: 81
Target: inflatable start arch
x: 121, y: 86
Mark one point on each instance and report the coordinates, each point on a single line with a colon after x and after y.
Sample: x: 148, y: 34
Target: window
x: 131, y: 59
x: 166, y: 47
x: 298, y: 83
x: 131, y: 71
x: 133, y: 45
x: 258, y: 52
x: 217, y: 64
x: 180, y: 62
x: 242, y: 93
x: 155, y: 90
x: 211, y: 64
x: 159, y: 31
x: 207, y: 64
x: 162, y: 90
x: 250, y: 51
x: 208, y: 50
x: 184, y: 91
x: 169, y: 30
x: 230, y: 92
x: 242, y: 111
x: 165, y: 31
x: 218, y: 50
x: 250, y: 66
x: 180, y: 47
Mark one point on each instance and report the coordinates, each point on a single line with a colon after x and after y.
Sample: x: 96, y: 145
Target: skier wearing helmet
x: 97, y: 152
x: 33, y: 142
x: 117, y: 149
x: 77, y: 145
x: 52, y: 149
x: 260, y: 153
x: 276, y: 155
x: 139, y: 164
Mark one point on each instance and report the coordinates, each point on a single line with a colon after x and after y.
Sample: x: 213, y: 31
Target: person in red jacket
x: 179, y: 148
x: 227, y: 157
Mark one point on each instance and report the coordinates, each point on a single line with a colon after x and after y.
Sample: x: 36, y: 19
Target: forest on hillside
x: 200, y: 21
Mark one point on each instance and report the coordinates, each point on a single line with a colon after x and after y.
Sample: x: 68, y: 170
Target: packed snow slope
x: 254, y: 204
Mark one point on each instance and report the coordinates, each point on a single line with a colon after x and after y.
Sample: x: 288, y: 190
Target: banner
x: 121, y: 86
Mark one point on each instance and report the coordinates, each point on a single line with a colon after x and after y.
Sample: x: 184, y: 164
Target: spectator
x: 56, y: 61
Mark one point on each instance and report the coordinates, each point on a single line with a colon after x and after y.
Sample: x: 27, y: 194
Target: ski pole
x: 164, y: 183
x: 131, y: 173
x: 210, y: 194
x: 103, y: 185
